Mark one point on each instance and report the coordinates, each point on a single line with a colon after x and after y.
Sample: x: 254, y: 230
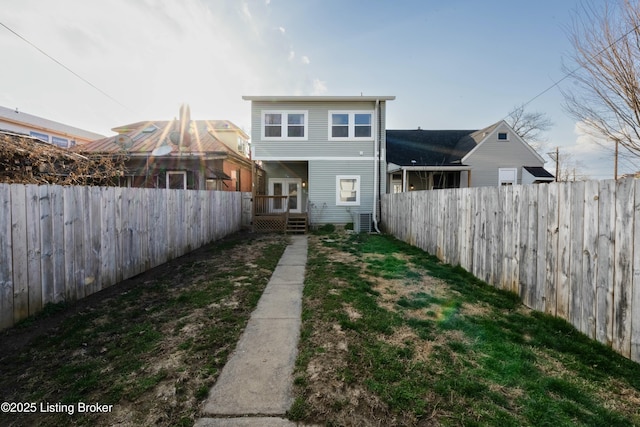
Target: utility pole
x: 556, y: 156
x: 615, y: 163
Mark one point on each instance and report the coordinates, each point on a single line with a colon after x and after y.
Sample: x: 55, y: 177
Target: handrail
x: 266, y: 205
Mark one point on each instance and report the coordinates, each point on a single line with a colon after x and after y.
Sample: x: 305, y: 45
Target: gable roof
x: 439, y: 147
x: 141, y: 138
x: 427, y: 147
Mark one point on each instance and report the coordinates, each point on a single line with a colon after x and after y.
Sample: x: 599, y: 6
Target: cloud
x: 204, y: 54
x: 319, y: 87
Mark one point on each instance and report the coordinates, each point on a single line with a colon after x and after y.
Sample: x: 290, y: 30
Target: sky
x: 452, y: 64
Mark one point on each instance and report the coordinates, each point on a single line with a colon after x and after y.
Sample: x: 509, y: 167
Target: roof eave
x: 318, y: 98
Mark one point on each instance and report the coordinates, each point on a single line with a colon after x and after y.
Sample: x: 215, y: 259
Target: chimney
x: 185, y: 125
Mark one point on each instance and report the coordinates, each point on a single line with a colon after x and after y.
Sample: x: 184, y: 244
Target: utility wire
x: 65, y: 67
x: 572, y: 72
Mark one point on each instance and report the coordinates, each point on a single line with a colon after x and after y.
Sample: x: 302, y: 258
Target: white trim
x: 285, y: 187
x: 306, y: 159
x: 515, y: 135
x: 318, y: 98
x: 356, y: 190
x: 508, y: 170
x: 351, y: 125
x: 184, y: 179
x: 283, y: 125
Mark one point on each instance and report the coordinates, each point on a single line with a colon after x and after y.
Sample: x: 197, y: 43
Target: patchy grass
x: 151, y: 346
x: 391, y: 336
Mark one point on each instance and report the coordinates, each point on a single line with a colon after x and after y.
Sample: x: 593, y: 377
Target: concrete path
x: 255, y: 386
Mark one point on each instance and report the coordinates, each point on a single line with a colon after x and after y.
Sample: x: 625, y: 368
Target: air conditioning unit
x: 362, y: 222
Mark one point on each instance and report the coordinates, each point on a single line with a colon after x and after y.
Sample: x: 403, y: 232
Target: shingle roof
x: 147, y: 136
x: 428, y: 147
x: 538, y: 172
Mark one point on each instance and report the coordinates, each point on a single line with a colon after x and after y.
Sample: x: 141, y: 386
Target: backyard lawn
x: 393, y: 337
x: 390, y: 337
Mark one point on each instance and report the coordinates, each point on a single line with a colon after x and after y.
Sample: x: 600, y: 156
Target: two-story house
x: 323, y: 157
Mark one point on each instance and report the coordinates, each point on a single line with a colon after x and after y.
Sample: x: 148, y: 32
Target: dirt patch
x: 184, y: 318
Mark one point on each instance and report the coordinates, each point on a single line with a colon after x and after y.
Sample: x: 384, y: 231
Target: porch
x: 274, y: 214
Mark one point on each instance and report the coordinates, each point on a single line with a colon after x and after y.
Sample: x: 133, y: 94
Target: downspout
x: 376, y: 167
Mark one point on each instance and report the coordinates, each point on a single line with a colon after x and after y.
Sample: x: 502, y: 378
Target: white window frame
x: 508, y: 181
x: 284, y: 125
x: 339, y: 201
x: 503, y: 139
x: 352, y: 125
x: 184, y: 178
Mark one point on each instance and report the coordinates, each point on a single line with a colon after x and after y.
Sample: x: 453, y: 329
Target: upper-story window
x: 285, y: 125
x: 345, y: 125
x: 502, y: 136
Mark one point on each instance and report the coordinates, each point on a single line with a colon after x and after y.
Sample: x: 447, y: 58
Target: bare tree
x: 530, y: 126
x: 606, y: 71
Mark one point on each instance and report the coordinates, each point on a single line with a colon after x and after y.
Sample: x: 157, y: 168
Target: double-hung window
x: 348, y: 190
x: 285, y: 125
x: 350, y: 125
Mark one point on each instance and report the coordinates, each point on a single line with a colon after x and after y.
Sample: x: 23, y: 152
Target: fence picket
x: 64, y: 243
x: 6, y: 264
x: 567, y: 248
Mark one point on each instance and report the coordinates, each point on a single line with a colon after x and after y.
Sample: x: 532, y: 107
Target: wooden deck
x: 271, y: 214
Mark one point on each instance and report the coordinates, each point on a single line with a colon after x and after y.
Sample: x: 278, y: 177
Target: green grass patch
x: 467, y: 354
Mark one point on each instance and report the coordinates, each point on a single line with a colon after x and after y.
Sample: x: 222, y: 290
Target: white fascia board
x: 304, y: 159
x: 318, y: 98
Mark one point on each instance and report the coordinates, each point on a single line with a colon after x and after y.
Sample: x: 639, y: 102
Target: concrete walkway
x: 255, y: 386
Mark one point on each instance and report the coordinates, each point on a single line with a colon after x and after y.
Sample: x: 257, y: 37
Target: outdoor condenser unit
x: 362, y: 222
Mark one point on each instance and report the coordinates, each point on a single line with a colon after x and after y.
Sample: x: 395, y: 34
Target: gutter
x: 376, y: 168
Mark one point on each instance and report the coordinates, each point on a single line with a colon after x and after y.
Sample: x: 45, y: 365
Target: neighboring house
x: 431, y: 159
x: 180, y: 154
x: 323, y: 158
x: 45, y: 130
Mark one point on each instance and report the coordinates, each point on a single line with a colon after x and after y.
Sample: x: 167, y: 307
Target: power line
x: 572, y: 72
x: 65, y: 67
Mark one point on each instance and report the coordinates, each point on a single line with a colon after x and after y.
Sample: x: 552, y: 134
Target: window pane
x: 348, y: 191
x: 340, y: 131
x: 272, y: 131
x: 296, y: 119
x: 296, y: 131
x: 340, y: 119
x: 363, y: 131
x: 363, y: 119
x: 272, y: 119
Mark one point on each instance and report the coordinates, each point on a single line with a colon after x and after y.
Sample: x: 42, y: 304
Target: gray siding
x: 493, y: 154
x: 322, y: 190
x: 317, y: 145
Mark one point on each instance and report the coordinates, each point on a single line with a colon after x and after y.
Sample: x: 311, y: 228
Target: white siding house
x: 326, y: 153
x: 432, y: 159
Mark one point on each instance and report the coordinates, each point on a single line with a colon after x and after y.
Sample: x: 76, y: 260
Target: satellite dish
x: 124, y: 141
x: 162, y: 150
x: 174, y: 137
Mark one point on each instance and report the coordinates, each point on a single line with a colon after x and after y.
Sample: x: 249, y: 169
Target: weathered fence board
x: 19, y: 239
x: 6, y: 264
x: 64, y: 243
x: 568, y: 249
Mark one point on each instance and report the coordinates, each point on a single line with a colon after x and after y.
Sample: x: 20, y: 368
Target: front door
x: 286, y: 187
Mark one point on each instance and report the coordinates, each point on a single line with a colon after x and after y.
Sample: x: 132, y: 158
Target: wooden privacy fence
x: 568, y: 249
x: 64, y: 243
